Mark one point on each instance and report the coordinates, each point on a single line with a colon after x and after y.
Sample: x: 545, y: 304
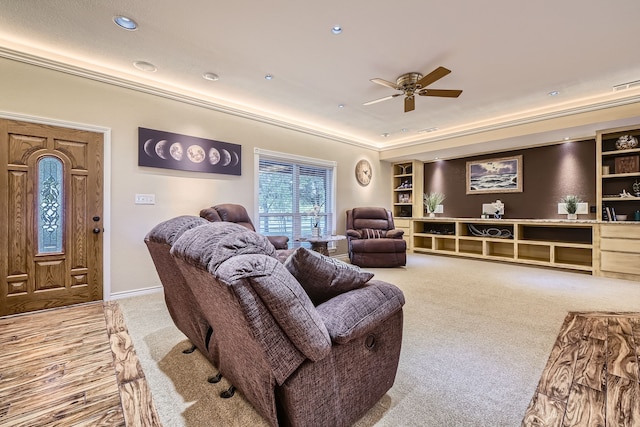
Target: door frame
x: 106, y: 182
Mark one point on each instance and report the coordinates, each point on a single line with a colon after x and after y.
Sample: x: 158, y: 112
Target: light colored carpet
x: 477, y: 336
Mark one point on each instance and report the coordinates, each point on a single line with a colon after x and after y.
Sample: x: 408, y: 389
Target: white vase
x: 572, y: 216
x: 315, y: 232
x: 432, y: 215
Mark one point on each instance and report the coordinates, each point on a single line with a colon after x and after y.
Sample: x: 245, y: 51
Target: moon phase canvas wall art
x: 160, y: 149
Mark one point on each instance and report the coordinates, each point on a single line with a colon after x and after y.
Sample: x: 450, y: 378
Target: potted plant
x: 571, y: 205
x: 432, y: 200
x: 315, y: 224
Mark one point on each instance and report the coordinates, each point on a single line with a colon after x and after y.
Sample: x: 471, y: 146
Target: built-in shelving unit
x: 601, y: 247
x: 408, y: 188
x: 617, y: 171
x: 559, y: 244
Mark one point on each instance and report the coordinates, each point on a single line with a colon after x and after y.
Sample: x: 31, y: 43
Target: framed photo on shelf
x: 404, y: 198
x: 628, y: 164
x: 501, y: 175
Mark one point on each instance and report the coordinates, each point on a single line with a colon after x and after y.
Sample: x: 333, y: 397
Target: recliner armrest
x: 355, y: 313
x: 279, y: 242
x: 395, y: 234
x: 354, y: 233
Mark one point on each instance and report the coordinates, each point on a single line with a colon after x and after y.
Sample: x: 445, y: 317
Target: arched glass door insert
x: 50, y: 204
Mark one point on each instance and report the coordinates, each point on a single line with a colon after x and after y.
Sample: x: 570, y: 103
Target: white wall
x: 34, y: 91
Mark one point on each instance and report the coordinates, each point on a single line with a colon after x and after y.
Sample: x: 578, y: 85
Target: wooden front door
x: 50, y: 216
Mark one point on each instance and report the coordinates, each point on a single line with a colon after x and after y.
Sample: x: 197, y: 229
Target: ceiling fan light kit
x: 411, y: 83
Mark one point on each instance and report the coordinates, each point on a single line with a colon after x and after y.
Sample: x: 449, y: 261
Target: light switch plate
x: 145, y: 199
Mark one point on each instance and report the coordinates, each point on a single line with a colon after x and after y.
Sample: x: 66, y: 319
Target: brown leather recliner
x: 373, y: 239
x: 230, y: 212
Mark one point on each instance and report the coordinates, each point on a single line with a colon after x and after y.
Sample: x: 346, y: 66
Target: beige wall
x: 34, y: 91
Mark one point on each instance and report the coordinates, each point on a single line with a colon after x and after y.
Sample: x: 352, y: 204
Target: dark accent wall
x: 549, y: 173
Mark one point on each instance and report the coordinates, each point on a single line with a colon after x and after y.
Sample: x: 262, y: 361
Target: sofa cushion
x: 378, y: 245
x: 323, y: 277
x: 372, y: 217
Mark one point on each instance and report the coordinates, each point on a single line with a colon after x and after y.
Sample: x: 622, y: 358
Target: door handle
x: 96, y: 230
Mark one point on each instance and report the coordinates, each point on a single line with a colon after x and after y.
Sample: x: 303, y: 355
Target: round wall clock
x: 363, y: 172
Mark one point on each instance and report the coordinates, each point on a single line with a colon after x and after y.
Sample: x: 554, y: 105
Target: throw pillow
x: 323, y: 277
x: 372, y: 233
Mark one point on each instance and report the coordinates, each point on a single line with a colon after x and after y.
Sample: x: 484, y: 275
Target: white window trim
x: 257, y: 152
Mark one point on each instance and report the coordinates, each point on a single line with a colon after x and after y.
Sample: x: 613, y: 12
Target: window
x: 50, y: 198
x: 289, y: 188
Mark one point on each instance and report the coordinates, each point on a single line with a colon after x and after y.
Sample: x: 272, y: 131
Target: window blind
x: 294, y: 194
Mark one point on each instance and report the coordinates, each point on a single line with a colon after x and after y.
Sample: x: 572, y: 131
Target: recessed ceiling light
x: 554, y: 93
x: 125, y: 23
x: 268, y: 77
x: 145, y: 66
x: 340, y: 105
x: 336, y: 29
x: 211, y: 77
x: 433, y: 129
x: 386, y: 134
x: 404, y: 130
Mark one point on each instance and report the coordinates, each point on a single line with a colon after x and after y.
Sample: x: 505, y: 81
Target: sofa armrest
x: 395, y: 234
x: 279, y: 242
x: 355, y: 313
x: 354, y: 233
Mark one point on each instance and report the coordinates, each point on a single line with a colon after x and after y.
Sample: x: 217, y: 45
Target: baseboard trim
x: 136, y: 292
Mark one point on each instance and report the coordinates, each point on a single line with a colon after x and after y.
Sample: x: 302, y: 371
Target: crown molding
x: 537, y: 118
x: 174, y: 95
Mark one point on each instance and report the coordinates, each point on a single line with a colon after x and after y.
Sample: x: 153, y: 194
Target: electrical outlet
x: 145, y: 199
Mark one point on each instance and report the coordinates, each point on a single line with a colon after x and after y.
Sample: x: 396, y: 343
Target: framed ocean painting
x: 503, y: 175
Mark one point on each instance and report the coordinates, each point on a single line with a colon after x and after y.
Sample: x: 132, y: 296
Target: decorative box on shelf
x: 627, y: 164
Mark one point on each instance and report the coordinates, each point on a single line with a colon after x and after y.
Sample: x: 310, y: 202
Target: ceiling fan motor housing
x: 408, y: 82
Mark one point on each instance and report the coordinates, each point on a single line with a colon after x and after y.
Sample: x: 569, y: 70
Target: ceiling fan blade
x: 447, y: 93
x: 386, y: 83
x: 381, y: 99
x: 436, y: 74
x: 409, y: 104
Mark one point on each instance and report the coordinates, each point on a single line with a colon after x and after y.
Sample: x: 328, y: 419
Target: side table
x: 321, y: 243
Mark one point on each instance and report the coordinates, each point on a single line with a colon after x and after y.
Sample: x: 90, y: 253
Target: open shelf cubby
x: 551, y: 243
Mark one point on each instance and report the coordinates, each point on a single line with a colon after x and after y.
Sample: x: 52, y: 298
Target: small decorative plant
x: 636, y: 188
x: 316, y: 215
x: 432, y: 200
x: 571, y: 203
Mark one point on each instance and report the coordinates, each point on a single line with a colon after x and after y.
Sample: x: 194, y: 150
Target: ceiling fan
x: 415, y: 83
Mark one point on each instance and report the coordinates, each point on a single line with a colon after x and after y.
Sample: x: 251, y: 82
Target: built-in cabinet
x: 620, y: 251
x: 605, y: 247
x: 618, y: 169
x: 560, y: 244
